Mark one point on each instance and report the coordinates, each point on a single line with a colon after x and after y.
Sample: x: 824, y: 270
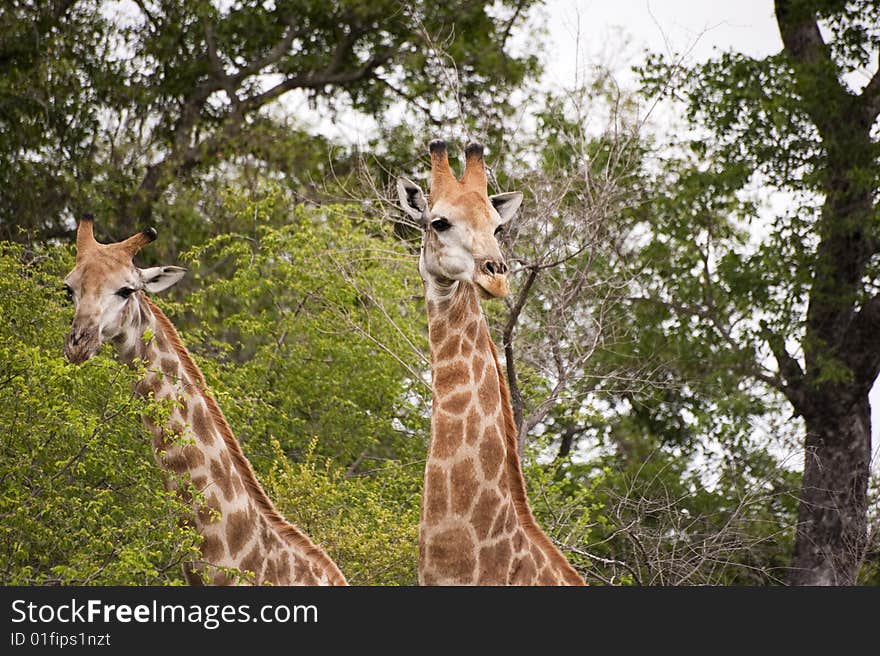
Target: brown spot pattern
x: 212, y: 548
x: 202, y: 424
x: 205, y: 514
x: 472, y: 430
x: 510, y: 524
x: 194, y: 456
x: 448, y: 435
x: 494, y: 563
x: 162, y: 341
x: 220, y: 479
x: 170, y: 366
x: 237, y: 484
x: 435, y: 494
x: 478, y: 366
x: 524, y: 571
x: 456, y: 403
x: 488, y: 395
x: 221, y: 579
x: 491, y: 454
x: 471, y: 331
x: 451, y: 553
x: 437, y: 332
x: 463, y: 485
x: 175, y: 460
x: 448, y: 350
x: 500, y: 521
x: 451, y: 375
x: 484, y: 513
x: 239, y: 529
x: 253, y: 562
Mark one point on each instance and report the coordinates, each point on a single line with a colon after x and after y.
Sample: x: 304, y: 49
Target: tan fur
x: 517, y: 485
x: 289, y: 532
x: 476, y: 526
x: 240, y: 526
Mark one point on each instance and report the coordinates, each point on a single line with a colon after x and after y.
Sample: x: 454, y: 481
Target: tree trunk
x: 832, y: 517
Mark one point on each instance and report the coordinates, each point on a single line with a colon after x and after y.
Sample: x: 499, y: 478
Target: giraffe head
x: 460, y: 221
x: 104, y: 285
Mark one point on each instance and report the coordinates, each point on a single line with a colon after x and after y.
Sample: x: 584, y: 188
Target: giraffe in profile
x: 476, y: 527
x: 239, y: 525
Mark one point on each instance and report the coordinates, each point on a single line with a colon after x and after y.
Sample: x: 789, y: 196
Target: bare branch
x: 507, y: 344
x: 509, y: 27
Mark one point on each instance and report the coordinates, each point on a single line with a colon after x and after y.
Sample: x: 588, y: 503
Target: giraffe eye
x: 125, y: 292
x: 499, y: 230
x: 441, y: 224
x: 68, y: 292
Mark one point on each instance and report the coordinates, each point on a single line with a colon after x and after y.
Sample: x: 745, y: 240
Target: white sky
x: 585, y: 31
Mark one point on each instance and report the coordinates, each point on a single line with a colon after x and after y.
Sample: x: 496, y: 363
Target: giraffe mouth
x: 492, y: 286
x: 80, y: 346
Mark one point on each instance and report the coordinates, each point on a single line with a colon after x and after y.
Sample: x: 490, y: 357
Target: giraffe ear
x: 412, y: 200
x: 157, y: 279
x: 507, y: 204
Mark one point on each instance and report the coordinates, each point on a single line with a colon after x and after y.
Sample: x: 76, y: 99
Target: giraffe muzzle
x: 81, y: 344
x: 491, y: 278
x: 493, y: 268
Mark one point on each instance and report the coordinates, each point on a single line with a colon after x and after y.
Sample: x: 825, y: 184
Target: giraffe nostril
x: 494, y: 268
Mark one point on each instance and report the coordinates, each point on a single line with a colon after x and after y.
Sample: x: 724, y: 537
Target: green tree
x: 304, y: 341
x: 111, y: 111
x: 623, y: 409
x: 314, y: 312
x: 797, y: 311
x: 81, y: 499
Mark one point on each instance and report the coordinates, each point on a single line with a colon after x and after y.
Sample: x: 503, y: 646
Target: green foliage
x: 565, y: 507
x: 315, y: 322
x: 82, y: 501
x: 368, y: 523
x: 126, y: 113
x: 56, y: 71
x: 295, y: 340
x: 647, y: 347
x: 658, y: 520
x: 769, y: 303
x: 672, y: 525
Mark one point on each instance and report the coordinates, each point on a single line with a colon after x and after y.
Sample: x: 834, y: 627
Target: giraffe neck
x: 476, y: 526
x: 239, y: 525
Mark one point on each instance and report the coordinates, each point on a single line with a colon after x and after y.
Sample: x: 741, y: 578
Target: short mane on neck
x: 167, y: 342
x: 473, y: 429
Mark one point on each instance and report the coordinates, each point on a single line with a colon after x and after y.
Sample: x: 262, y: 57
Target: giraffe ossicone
x: 476, y: 527
x: 240, y: 527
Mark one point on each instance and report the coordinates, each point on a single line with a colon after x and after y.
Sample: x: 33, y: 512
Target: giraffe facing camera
x: 476, y: 527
